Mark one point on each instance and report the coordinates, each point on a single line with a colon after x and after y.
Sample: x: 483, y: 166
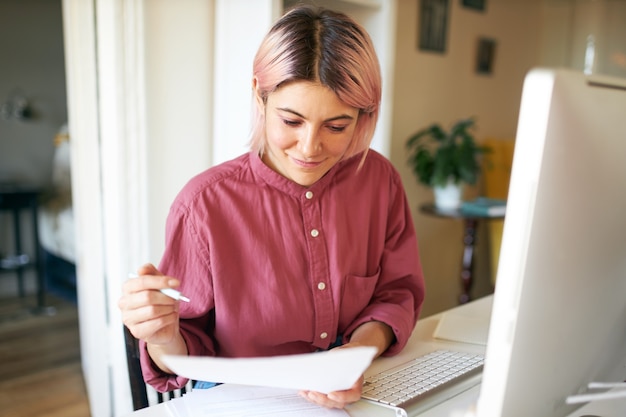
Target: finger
x: 150, y: 322
x: 148, y: 269
x: 350, y: 395
x: 160, y: 330
x: 345, y: 397
x: 146, y: 298
x: 322, y: 399
x: 160, y: 315
x: 149, y: 282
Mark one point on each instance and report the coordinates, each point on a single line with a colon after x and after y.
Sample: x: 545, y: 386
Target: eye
x: 292, y: 123
x: 337, y: 128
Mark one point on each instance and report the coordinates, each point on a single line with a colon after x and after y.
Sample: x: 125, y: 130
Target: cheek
x: 338, y: 146
x: 278, y: 136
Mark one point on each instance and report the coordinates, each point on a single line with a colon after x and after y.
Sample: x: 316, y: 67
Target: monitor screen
x: 559, y: 311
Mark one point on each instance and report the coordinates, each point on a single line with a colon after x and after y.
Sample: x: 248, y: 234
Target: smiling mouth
x: 306, y: 164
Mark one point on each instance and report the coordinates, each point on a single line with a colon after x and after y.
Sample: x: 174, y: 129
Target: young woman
x: 303, y: 244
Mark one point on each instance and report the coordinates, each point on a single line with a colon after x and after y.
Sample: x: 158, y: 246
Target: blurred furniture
x: 470, y: 223
x: 56, y: 224
x: 17, y: 198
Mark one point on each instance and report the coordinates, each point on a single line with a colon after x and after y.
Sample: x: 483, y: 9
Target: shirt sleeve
x: 185, y: 258
x: 399, y: 292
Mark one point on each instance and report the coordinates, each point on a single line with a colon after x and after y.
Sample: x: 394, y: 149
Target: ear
x: 257, y: 95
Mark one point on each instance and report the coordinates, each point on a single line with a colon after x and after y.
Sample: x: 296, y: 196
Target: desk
x: 470, y: 223
x: 16, y: 198
x: 422, y: 342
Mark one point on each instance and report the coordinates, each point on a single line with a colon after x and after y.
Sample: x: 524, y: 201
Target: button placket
x: 325, y: 319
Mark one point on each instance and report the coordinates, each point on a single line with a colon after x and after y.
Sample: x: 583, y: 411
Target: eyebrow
x: 340, y: 117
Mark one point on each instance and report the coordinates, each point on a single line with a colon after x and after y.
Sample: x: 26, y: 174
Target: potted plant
x: 446, y: 160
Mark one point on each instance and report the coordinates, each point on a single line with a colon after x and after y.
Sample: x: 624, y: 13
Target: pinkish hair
x: 320, y: 45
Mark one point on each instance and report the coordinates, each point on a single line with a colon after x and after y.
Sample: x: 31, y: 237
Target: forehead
x: 306, y: 96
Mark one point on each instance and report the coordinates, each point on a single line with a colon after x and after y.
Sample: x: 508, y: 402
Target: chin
x: 305, y: 180
x: 305, y: 183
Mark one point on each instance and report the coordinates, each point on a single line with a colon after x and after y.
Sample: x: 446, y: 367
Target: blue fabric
x: 338, y: 342
x: 205, y: 385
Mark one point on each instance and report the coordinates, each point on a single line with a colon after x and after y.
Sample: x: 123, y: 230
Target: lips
x: 306, y: 164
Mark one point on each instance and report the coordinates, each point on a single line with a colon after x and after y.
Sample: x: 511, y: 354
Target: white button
x: 315, y: 233
x: 309, y: 195
x: 324, y: 335
x: 321, y: 286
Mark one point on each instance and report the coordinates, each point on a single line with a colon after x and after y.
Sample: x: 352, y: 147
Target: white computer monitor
x: 559, y: 311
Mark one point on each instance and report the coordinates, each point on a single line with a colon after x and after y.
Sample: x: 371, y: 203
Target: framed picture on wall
x: 475, y: 4
x: 485, y: 55
x: 432, y: 25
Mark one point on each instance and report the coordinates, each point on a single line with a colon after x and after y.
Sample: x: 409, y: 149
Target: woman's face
x: 307, y: 129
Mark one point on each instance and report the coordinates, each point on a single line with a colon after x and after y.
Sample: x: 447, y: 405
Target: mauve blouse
x: 275, y: 268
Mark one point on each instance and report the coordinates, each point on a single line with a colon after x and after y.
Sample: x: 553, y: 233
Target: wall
x: 178, y: 113
x: 574, y: 25
x: 433, y: 87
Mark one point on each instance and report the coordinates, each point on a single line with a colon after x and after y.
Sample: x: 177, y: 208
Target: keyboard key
x: 407, y: 383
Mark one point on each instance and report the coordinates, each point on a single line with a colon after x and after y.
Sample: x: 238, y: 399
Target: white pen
x: 170, y: 292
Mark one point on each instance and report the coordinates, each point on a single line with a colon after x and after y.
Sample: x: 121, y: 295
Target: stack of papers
x: 268, y: 385
x: 241, y: 400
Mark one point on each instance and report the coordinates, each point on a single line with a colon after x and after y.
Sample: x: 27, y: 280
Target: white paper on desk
x: 241, y: 400
x: 462, y: 328
x: 327, y: 371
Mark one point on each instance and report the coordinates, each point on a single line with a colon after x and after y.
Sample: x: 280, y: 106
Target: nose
x: 310, y: 143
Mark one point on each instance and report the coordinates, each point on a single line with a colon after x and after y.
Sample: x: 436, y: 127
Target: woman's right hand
x: 149, y: 314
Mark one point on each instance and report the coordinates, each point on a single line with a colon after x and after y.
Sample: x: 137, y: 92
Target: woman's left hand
x: 336, y: 399
x: 372, y: 333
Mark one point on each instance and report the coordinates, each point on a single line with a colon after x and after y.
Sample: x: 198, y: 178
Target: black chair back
x: 137, y: 384
x: 138, y: 387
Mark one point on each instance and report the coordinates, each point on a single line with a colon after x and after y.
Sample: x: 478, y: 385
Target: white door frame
x: 103, y: 44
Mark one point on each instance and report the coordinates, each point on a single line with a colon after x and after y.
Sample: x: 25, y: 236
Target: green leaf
x: 437, y: 156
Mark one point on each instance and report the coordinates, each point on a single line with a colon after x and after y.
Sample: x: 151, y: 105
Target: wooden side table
x: 16, y: 198
x: 470, y: 223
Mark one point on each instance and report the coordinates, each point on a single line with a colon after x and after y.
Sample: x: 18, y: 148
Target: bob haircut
x: 326, y: 47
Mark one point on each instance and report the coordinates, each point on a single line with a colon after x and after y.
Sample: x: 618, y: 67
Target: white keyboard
x: 415, y: 381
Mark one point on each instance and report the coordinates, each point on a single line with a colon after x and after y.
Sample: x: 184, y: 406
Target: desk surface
x: 421, y: 342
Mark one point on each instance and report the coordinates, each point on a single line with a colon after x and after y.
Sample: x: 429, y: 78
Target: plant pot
x: 448, y: 197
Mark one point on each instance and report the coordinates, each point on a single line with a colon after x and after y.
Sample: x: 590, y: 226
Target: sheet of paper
x: 241, y: 400
x: 327, y: 371
x: 462, y: 328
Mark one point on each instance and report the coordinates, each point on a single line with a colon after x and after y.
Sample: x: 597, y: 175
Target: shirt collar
x: 285, y: 185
